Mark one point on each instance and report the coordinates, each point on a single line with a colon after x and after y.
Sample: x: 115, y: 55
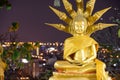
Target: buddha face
x: 79, y: 24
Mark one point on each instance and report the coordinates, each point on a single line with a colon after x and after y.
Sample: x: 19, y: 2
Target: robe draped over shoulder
x: 73, y: 44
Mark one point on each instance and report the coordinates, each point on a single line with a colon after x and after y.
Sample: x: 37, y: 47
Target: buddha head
x: 78, y: 25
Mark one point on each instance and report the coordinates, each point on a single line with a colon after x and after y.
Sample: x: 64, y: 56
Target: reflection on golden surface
x: 80, y: 50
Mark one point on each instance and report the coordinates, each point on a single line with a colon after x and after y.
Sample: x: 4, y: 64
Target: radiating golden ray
x: 97, y: 27
x: 80, y: 6
x: 89, y: 8
x: 97, y: 16
x: 57, y: 26
x: 69, y: 9
x: 61, y: 15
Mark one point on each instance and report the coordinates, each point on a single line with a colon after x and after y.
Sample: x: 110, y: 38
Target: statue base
x: 73, y: 76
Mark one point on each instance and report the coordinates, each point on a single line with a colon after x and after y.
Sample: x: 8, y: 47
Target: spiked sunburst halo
x: 86, y: 14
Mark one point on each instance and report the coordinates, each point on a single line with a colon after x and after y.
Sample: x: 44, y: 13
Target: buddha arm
x: 68, y: 58
x: 93, y: 55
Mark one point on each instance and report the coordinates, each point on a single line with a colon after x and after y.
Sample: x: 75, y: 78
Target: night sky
x: 32, y: 14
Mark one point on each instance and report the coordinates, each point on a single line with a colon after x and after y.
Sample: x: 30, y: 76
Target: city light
x: 24, y: 60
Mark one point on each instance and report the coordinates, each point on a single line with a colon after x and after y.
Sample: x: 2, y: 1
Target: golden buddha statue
x: 80, y: 51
